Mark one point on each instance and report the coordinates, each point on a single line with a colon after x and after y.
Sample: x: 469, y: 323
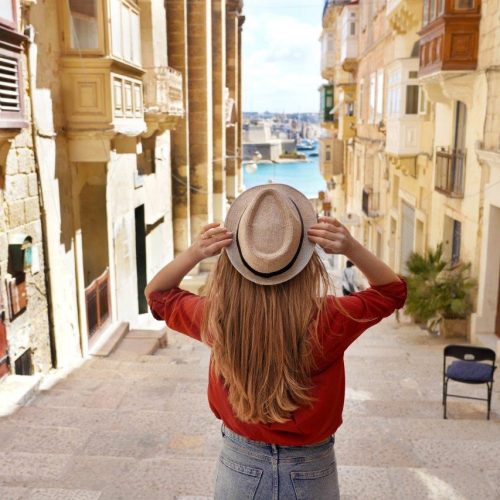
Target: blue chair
x: 468, y: 369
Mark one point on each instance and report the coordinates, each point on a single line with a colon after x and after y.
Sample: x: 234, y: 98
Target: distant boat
x: 311, y: 155
x: 305, y: 145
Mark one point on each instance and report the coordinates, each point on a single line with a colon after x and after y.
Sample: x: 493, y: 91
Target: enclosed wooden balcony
x: 99, y: 96
x: 449, y: 38
x: 326, y: 106
x: 328, y: 54
x: 370, y: 203
x: 450, y: 172
x: 349, y: 38
x: 331, y: 157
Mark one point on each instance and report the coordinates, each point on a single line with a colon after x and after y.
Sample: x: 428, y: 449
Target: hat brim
x: 307, y: 248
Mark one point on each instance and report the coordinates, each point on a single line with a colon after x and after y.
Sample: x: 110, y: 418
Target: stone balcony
x: 404, y: 15
x: 163, y: 97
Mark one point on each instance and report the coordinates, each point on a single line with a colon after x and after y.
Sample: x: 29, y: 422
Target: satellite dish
x: 350, y: 219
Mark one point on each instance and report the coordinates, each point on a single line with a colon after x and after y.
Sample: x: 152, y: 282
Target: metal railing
x: 450, y: 172
x: 370, y: 202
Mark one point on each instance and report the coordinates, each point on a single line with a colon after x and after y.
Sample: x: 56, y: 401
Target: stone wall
x: 20, y: 213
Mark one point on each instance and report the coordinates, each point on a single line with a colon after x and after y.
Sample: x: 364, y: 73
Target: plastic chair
x: 468, y: 370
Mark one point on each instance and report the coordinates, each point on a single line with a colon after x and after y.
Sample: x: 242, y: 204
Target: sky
x: 281, y: 55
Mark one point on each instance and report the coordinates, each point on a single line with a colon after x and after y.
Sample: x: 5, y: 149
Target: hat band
x: 283, y: 269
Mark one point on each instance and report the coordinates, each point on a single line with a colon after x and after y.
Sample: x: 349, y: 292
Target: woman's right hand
x: 332, y: 236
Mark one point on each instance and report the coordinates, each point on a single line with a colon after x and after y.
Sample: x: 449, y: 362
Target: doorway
x: 140, y: 257
x: 94, y: 227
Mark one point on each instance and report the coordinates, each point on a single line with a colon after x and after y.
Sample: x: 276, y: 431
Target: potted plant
x: 439, y: 294
x: 455, y: 287
x: 423, y: 302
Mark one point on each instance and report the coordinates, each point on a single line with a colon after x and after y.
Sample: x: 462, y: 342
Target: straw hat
x: 270, y: 224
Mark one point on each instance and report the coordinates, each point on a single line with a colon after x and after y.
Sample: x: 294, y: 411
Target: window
x: 361, y: 100
x: 393, y: 92
x: 464, y: 4
x: 371, y: 98
x: 352, y: 29
x: 455, y: 242
x: 8, y: 13
x: 125, y: 31
x: 380, y: 96
x: 11, y: 74
x: 83, y: 24
x: 328, y: 154
x: 422, y: 101
x: 412, y: 92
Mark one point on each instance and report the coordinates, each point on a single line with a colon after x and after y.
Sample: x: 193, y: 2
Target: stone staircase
x: 138, y: 426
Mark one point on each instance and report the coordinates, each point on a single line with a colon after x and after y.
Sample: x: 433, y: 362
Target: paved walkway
x: 141, y: 429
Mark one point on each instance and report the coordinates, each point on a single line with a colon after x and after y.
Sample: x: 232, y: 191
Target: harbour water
x: 304, y: 176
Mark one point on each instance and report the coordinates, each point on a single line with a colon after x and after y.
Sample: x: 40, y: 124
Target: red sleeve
x: 181, y: 310
x: 355, y: 313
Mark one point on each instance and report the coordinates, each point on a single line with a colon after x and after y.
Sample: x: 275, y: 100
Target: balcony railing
x: 97, y: 302
x: 450, y: 173
x: 371, y: 202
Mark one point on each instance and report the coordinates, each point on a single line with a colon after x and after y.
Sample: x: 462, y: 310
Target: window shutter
x: 9, y: 85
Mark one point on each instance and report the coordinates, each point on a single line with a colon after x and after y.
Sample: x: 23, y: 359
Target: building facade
x: 420, y: 154
x: 131, y: 118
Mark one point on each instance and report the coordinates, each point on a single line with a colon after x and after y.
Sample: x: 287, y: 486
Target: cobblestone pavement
x: 141, y: 429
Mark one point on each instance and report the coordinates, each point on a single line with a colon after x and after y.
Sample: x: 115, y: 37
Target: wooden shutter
x: 10, y: 100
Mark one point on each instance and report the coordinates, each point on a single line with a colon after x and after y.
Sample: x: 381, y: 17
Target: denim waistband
x: 233, y: 436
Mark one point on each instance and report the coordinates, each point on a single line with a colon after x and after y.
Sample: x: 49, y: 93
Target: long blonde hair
x: 263, y: 338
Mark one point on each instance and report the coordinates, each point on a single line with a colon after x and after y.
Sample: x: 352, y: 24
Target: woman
x: 277, y: 339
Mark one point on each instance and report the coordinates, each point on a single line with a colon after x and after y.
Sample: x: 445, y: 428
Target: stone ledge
x: 16, y: 391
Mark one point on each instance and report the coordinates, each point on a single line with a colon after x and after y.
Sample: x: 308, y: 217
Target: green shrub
x: 437, y: 290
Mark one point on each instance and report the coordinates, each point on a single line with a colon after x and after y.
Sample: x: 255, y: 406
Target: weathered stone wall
x: 20, y: 213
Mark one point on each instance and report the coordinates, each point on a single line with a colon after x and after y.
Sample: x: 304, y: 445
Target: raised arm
x: 333, y: 237
x: 211, y: 240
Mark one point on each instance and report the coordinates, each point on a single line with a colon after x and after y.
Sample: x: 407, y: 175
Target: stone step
x: 16, y: 391
x: 113, y: 339
x: 139, y: 343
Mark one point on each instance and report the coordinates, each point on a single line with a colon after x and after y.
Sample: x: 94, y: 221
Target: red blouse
x: 183, y: 312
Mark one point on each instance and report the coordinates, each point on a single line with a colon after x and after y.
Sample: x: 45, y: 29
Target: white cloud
x: 281, y: 63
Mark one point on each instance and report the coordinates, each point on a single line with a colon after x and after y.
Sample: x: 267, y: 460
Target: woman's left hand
x: 210, y: 241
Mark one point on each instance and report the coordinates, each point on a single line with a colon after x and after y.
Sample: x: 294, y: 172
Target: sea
x: 304, y: 176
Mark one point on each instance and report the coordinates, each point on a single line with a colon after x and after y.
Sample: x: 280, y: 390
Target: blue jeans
x: 254, y: 470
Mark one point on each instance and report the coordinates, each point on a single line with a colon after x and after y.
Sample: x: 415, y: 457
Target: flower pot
x: 455, y: 328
